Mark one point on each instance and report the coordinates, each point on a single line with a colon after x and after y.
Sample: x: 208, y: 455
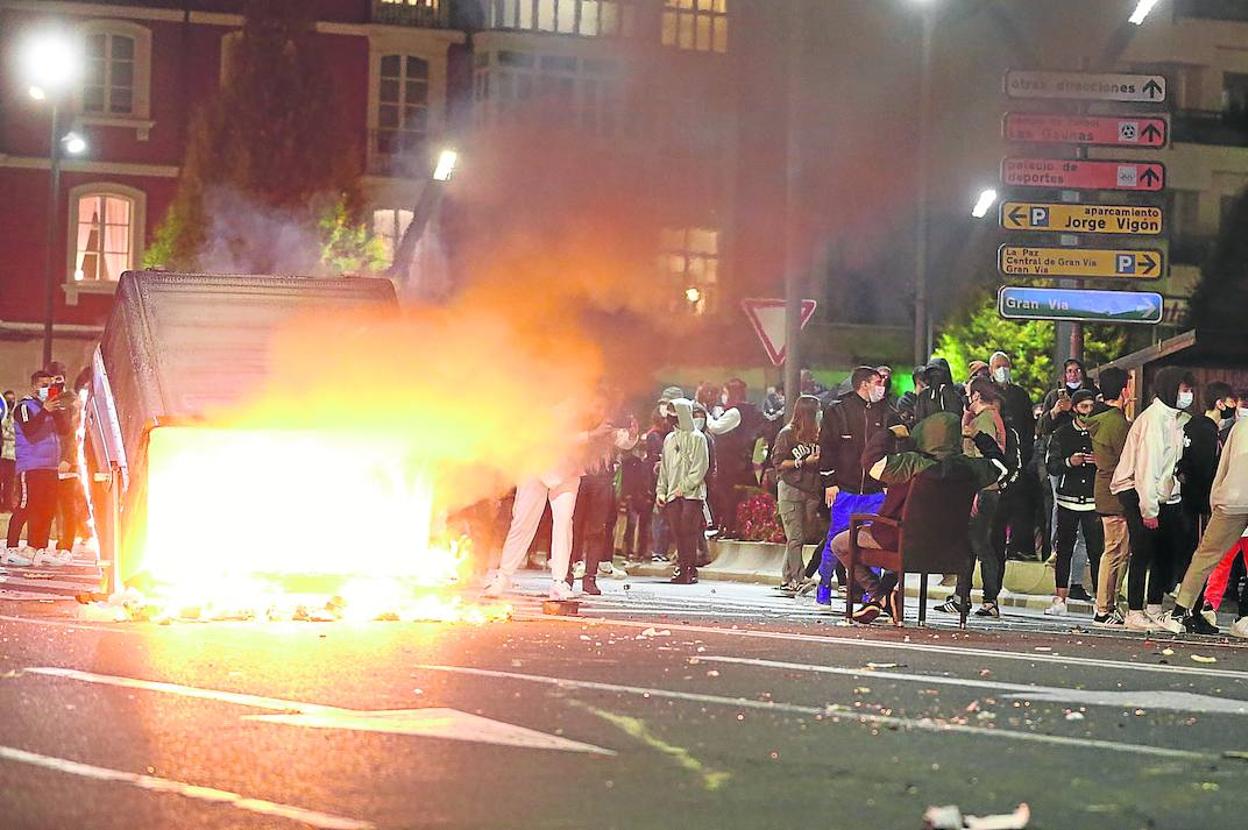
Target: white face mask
x: 1241, y: 413
x: 1184, y: 400
x: 43, y: 393
x: 1073, y: 385
x: 875, y: 394
x: 724, y: 399
x: 699, y: 423
x: 1001, y: 374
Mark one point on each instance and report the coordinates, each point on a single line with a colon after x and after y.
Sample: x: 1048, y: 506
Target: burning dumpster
x: 186, y: 497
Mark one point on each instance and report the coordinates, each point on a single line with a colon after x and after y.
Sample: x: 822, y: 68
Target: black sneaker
x: 1197, y: 624
x: 988, y: 609
x: 589, y: 585
x: 868, y: 612
x: 951, y: 606
x: 685, y: 576
x: 1077, y: 592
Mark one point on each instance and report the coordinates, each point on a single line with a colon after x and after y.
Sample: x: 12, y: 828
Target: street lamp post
x: 52, y: 64
x: 921, y: 345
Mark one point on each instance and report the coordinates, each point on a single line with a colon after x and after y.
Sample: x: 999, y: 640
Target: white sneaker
x: 1139, y: 621
x: 1167, y: 622
x: 15, y: 557
x: 1056, y: 609
x: 1240, y: 628
x: 578, y: 570
x: 606, y: 569
x: 54, y: 558
x: 1154, y: 612
x: 1210, y: 616
x: 496, y: 587
x: 561, y: 591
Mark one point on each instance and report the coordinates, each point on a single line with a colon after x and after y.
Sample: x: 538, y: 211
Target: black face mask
x: 1226, y: 414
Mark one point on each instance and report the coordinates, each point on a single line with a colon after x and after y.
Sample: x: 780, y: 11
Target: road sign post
x: 1097, y: 263
x: 1077, y: 305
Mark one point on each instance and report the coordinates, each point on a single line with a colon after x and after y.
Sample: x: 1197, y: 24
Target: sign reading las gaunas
x: 1021, y: 261
x: 1103, y: 131
x: 1086, y: 86
x: 1061, y: 218
x: 1059, y: 174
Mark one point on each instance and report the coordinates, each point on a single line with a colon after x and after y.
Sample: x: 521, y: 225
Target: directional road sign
x: 767, y: 318
x: 1061, y: 218
x: 1086, y: 86
x: 1104, y: 131
x: 1138, y: 264
x: 1058, y: 174
x: 1025, y: 303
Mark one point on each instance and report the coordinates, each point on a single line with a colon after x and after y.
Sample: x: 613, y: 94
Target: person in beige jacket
x: 1229, y: 500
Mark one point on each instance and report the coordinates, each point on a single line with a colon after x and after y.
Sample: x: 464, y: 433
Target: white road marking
x: 1142, y: 699
x: 112, y: 629
x: 921, y: 724
x: 324, y: 821
x: 966, y: 651
x: 445, y: 723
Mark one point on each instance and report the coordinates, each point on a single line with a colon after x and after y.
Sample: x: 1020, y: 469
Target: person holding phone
x: 1072, y: 462
x: 38, y: 453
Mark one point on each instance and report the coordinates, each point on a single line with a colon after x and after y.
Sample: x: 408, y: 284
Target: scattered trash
x: 712, y: 673
x: 951, y: 818
x: 885, y: 666
x: 1043, y: 648
x: 1235, y: 754
x: 1200, y: 658
x: 652, y: 632
x: 561, y: 608
x: 1074, y: 716
x: 1167, y: 651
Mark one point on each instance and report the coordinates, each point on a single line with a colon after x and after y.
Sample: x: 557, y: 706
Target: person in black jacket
x: 1017, y: 511
x: 941, y: 394
x: 1071, y: 462
x: 1058, y: 403
x: 1199, y: 462
x: 847, y: 426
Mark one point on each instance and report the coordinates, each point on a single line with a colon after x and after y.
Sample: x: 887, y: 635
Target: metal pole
x: 54, y: 193
x: 793, y: 262
x: 920, y: 243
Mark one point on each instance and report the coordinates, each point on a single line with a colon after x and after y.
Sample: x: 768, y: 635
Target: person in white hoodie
x: 1145, y: 483
x: 681, y: 488
x: 558, y: 485
x: 1229, y: 520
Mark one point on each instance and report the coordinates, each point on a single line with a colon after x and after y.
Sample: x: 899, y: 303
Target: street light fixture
x: 1141, y: 11
x: 987, y: 198
x: 52, y: 64
x: 445, y: 167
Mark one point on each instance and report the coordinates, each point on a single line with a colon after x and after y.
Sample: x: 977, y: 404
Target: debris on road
x: 951, y: 818
x: 1200, y: 658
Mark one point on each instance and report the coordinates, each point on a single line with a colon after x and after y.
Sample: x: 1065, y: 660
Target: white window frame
x: 399, y: 219
x: 139, y: 117
x: 138, y: 235
x: 694, y: 13
x: 684, y: 278
x: 593, y: 95
x: 586, y: 18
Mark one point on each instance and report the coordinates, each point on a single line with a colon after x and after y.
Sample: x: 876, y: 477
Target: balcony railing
x: 1226, y: 129
x: 399, y: 154
x: 424, y: 14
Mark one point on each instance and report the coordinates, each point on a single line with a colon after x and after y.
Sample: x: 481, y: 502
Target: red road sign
x: 1105, y: 131
x: 767, y: 318
x: 1058, y: 174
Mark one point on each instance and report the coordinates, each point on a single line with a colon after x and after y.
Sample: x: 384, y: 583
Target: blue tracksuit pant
x: 845, y: 505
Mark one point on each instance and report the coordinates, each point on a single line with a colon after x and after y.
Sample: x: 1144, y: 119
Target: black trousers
x: 1068, y: 524
x: 640, y: 515
x: 1014, y: 527
x: 684, y: 517
x: 991, y: 566
x: 592, y: 523
x: 70, y: 514
x: 1153, y: 552
x: 8, y: 480
x: 36, y: 504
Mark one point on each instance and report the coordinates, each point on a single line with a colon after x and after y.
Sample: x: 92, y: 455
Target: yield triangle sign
x: 767, y: 318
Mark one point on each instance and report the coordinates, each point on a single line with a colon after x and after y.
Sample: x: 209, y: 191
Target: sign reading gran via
x: 1024, y: 303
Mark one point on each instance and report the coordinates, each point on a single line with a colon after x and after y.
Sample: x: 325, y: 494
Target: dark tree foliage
x: 1222, y: 295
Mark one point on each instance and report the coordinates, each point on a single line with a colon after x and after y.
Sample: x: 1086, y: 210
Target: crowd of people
x: 1160, y: 502
x: 40, y: 478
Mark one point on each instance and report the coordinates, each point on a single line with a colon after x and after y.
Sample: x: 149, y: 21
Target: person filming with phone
x: 1072, y: 464
x: 38, y: 458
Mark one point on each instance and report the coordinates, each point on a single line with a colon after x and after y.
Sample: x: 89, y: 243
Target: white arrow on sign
x: 451, y: 724
x: 767, y: 318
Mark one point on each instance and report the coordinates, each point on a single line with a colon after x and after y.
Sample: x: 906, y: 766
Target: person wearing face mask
x: 1017, y: 511
x: 847, y: 427
x: 1202, y: 446
x: 1057, y: 403
x: 1071, y: 460
x: 736, y: 431
x: 38, y: 451
x: 681, y: 488
x: 1108, y: 433
x: 8, y: 450
x: 1151, y: 497
x: 795, y: 457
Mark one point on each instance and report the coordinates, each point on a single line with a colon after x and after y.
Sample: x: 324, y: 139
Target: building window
x: 689, y: 263
x: 402, y: 105
x: 589, y: 18
x: 696, y: 25
x: 117, y: 70
x: 389, y: 225
x: 106, y: 226
x: 585, y: 91
x: 1235, y: 97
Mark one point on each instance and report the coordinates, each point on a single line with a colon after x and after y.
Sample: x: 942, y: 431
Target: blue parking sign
x: 1126, y: 264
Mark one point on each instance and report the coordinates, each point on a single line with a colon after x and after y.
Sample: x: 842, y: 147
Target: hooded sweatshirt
x: 941, y: 394
x: 1108, y: 431
x: 937, y: 442
x: 686, y: 459
x: 1153, y: 449
x: 1230, y: 484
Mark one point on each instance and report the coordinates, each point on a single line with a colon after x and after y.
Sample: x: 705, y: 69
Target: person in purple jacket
x: 38, y: 457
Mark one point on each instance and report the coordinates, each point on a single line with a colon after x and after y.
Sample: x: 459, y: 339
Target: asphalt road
x: 709, y: 706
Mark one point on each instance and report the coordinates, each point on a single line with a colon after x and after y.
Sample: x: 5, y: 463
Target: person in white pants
x: 526, y: 513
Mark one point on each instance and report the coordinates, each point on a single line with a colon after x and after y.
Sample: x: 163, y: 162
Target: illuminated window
x: 689, y: 262
x: 116, y: 72
x: 696, y: 25
x: 584, y: 91
x: 105, y: 237
x: 590, y: 18
x: 402, y: 105
x: 389, y: 225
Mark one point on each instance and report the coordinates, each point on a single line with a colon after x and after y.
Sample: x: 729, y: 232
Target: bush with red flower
x: 758, y: 519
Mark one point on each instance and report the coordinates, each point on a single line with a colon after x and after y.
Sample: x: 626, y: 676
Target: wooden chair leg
x: 900, y: 592
x: 849, y: 573
x: 922, y: 599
